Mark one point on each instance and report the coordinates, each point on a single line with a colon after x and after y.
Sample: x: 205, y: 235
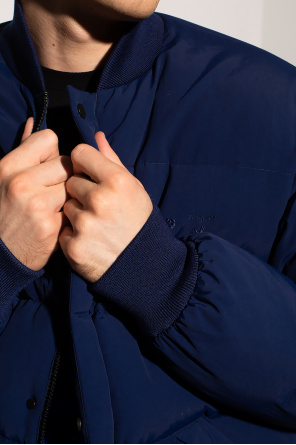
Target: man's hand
x: 32, y: 192
x: 109, y: 206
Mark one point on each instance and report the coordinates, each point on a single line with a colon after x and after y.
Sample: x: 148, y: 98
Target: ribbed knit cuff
x: 153, y: 278
x: 14, y: 277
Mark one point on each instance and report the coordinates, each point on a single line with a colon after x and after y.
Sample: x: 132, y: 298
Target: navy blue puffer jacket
x: 190, y: 336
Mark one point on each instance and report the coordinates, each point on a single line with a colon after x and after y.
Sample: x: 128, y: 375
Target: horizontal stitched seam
x: 220, y: 165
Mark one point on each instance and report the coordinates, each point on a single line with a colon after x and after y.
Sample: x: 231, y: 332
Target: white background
x: 269, y: 24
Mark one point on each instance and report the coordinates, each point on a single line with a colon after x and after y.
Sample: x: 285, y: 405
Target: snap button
x: 79, y: 424
x: 81, y: 111
x: 31, y: 403
x: 171, y: 223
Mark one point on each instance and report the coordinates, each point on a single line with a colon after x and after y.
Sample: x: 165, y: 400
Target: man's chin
x: 129, y: 10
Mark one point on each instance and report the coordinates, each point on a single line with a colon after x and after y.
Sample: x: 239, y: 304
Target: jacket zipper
x: 38, y: 122
x: 57, y: 361
x: 49, y: 397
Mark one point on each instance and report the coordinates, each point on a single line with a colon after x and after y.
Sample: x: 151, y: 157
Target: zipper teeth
x: 49, y: 397
x: 43, y: 113
x: 57, y: 360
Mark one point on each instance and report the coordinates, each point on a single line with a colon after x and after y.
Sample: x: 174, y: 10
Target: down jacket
x: 190, y: 336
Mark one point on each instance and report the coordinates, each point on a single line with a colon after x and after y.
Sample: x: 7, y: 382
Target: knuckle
x: 93, y: 198
x: 74, y: 250
x: 17, y: 186
x: 82, y: 223
x: 46, y: 229
x: 119, y: 181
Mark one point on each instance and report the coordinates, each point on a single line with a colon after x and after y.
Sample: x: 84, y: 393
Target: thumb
x: 28, y: 129
x: 105, y: 148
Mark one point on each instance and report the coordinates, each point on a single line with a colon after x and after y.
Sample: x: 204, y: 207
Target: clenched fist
x: 109, y: 206
x: 32, y: 192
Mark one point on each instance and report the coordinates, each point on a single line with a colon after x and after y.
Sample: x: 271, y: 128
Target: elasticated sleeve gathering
x: 220, y: 318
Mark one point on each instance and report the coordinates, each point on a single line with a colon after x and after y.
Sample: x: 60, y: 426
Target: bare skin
x: 77, y: 35
x: 106, y: 212
x: 108, y: 206
x: 32, y: 191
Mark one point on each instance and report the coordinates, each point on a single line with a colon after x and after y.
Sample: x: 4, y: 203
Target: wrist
x: 153, y: 278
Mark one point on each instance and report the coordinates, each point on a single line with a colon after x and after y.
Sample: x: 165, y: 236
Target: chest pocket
x: 240, y: 204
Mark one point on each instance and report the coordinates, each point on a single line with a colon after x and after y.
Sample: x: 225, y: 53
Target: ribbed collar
x: 134, y: 54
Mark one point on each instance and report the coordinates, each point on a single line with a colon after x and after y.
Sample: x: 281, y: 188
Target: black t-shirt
x: 59, y: 115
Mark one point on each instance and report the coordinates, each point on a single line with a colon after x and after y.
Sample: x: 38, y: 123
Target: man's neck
x: 66, y: 43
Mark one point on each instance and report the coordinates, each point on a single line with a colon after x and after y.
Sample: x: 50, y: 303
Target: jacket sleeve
x: 14, y: 277
x: 220, y: 318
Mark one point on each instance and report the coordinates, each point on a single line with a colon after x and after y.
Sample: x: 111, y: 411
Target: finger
x: 28, y: 128
x: 52, y: 172
x: 107, y: 151
x: 35, y: 149
x: 40, y: 147
x: 59, y: 221
x: 65, y: 236
x: 105, y: 148
x: 55, y: 197
x: 79, y: 186
x: 64, y: 222
x: 72, y: 208
x: 87, y: 160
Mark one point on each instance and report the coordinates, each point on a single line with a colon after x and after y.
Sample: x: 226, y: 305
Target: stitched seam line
x: 221, y: 165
